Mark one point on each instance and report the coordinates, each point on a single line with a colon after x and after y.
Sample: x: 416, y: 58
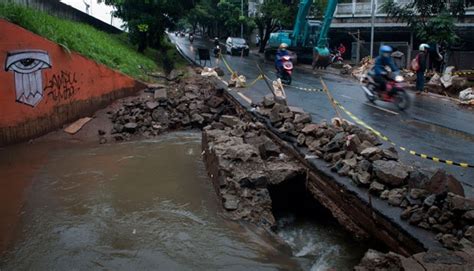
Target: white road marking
x: 383, y: 109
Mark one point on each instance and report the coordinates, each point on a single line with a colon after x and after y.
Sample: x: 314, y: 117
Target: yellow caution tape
x: 386, y: 139
x: 226, y: 64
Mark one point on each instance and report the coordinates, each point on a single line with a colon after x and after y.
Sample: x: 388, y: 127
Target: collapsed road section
x: 253, y: 154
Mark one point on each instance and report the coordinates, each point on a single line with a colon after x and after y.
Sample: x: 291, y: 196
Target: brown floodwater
x: 144, y: 205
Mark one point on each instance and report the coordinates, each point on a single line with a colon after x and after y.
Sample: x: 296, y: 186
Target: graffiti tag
x: 62, y: 86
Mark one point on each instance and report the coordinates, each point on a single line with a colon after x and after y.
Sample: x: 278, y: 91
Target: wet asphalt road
x: 432, y: 126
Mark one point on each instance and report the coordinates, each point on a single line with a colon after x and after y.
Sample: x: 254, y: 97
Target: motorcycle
x: 285, y: 73
x: 394, y: 91
x: 336, y: 57
x: 191, y: 38
x: 216, y: 51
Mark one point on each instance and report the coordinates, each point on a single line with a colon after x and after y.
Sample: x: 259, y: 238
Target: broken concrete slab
x: 77, y: 125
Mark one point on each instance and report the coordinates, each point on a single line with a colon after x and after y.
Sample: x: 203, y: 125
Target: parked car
x: 235, y: 45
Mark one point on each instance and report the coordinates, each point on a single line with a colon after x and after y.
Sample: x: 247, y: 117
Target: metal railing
x: 362, y: 8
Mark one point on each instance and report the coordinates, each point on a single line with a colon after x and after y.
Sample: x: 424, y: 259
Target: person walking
x: 421, y: 59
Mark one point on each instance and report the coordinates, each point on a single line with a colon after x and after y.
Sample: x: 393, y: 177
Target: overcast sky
x: 100, y: 11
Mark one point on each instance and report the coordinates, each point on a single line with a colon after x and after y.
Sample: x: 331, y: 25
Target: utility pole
x: 242, y: 13
x: 372, y: 25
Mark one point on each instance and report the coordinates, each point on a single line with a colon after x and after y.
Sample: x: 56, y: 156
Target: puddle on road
x: 149, y: 205
x: 440, y: 129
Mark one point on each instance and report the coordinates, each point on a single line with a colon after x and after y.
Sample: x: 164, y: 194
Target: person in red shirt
x: 341, y: 48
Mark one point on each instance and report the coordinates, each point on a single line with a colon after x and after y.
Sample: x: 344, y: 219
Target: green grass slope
x: 111, y: 50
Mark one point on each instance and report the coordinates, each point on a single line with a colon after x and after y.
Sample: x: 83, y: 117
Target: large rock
x: 277, y: 110
x: 395, y: 196
x: 391, y: 173
x: 230, y: 121
x: 160, y: 115
x: 435, y: 183
x: 160, y: 95
x: 231, y: 202
x: 374, y: 260
x: 458, y: 203
x: 441, y: 182
x: 310, y: 129
x: 215, y: 101
x: 302, y: 118
x: 243, y: 152
x: 281, y: 171
x: 369, y: 152
x: 268, y: 101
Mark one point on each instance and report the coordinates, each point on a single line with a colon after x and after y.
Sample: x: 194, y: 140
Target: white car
x: 236, y: 46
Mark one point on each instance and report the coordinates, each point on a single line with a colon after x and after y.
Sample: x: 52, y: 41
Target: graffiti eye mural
x: 27, y: 66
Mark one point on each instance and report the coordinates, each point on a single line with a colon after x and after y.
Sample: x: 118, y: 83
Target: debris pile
x: 364, y: 66
x: 192, y: 102
x: 431, y: 200
x: 467, y: 96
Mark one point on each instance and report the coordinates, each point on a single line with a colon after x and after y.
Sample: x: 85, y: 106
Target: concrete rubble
x: 431, y: 200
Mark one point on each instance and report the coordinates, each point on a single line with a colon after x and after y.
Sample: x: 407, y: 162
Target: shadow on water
x: 149, y: 205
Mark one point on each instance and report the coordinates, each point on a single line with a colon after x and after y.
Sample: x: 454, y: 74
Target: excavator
x: 308, y: 39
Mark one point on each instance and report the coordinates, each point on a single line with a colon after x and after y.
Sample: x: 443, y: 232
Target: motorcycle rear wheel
x: 286, y: 79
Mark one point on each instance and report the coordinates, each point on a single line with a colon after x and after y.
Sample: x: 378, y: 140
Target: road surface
x: 433, y: 126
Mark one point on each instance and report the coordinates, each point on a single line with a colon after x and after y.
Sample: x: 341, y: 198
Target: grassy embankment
x: 114, y: 51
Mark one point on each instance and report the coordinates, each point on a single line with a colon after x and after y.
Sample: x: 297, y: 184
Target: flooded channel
x: 149, y: 205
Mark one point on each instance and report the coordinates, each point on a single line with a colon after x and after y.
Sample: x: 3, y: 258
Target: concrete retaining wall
x: 43, y: 86
x: 61, y: 10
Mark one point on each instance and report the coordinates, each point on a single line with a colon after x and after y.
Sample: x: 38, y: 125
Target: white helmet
x: 283, y: 46
x: 424, y: 46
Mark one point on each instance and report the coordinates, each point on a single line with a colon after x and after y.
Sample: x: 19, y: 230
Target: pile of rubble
x: 431, y: 200
x: 192, y: 102
x: 364, y: 66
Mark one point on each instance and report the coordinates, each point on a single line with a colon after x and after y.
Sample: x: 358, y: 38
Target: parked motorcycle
x: 394, y: 91
x: 285, y: 73
x: 216, y: 51
x: 336, y: 57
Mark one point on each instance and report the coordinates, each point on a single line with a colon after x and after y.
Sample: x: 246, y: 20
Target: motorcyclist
x: 383, y: 61
x: 216, y: 41
x: 281, y: 52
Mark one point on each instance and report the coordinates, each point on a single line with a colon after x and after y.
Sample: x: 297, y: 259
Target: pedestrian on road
x: 257, y: 40
x: 420, y: 59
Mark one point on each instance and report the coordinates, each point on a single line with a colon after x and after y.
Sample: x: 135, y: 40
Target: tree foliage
x: 433, y: 21
x: 147, y: 20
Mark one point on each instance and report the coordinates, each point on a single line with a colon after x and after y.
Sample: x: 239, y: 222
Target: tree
x: 147, y: 20
x: 433, y: 21
x: 270, y: 15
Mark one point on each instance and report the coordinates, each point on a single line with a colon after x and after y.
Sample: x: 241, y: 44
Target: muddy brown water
x: 147, y: 205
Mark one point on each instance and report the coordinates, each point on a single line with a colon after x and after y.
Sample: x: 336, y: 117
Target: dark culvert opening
x: 292, y: 197
x: 311, y: 231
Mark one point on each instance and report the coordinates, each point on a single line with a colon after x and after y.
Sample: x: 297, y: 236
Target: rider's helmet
x: 385, y: 50
x: 424, y: 46
x: 283, y: 46
x: 216, y: 38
